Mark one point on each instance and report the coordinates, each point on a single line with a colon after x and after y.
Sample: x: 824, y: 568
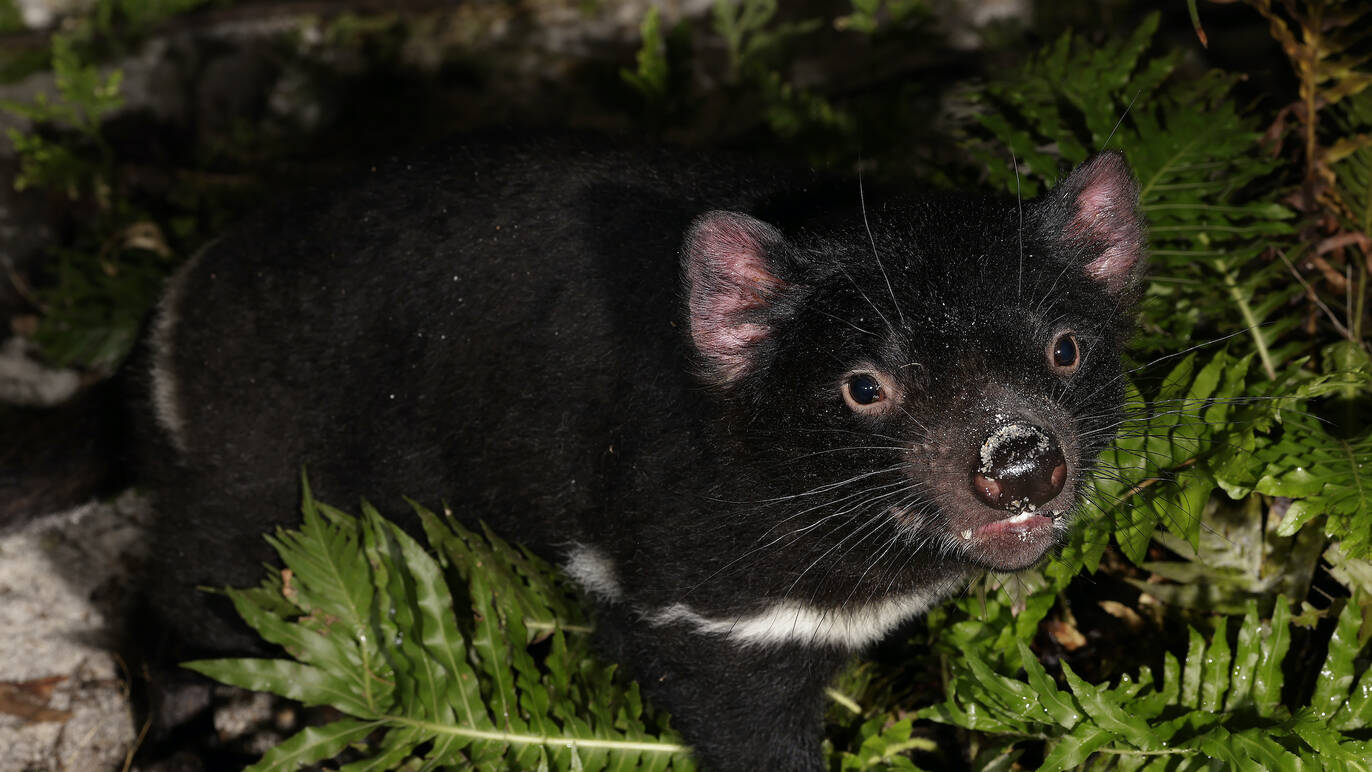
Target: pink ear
x: 728, y: 280
x: 1104, y: 204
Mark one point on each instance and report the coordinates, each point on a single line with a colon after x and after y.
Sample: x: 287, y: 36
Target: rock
x: 63, y: 694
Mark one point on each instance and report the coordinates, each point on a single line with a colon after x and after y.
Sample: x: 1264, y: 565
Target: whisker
x: 862, y: 201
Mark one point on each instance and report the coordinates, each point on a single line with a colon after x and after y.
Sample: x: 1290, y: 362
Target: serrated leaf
x: 1268, y: 681
x: 311, y: 744
x: 1108, y: 714
x: 1075, y: 747
x: 1192, y: 673
x: 421, y: 683
x: 1247, y: 656
x: 1215, y: 673
x: 304, y: 683
x: 1056, y: 704
x: 397, y: 746
x: 434, y: 711
x: 1262, y: 749
x: 1015, y: 700
x: 1336, y: 674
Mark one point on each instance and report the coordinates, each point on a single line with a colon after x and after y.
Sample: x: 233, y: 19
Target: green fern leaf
x: 1219, y: 704
x: 1194, y: 153
x: 315, y: 744
x: 883, y: 745
x: 367, y: 616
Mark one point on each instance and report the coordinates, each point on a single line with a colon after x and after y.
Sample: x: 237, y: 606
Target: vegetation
x: 368, y: 617
x: 1212, y: 611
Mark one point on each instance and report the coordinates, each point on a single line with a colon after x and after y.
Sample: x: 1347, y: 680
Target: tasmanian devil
x: 760, y: 418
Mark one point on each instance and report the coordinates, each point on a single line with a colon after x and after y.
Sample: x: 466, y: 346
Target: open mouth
x: 1013, y: 542
x: 1022, y: 526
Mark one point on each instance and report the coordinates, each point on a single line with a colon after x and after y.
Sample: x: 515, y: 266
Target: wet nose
x: 1020, y: 465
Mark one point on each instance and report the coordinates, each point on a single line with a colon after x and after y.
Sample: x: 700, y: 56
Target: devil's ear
x: 730, y: 282
x: 1096, y: 210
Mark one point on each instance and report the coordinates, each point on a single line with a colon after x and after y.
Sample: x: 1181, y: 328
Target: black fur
x: 55, y: 458
x: 646, y: 353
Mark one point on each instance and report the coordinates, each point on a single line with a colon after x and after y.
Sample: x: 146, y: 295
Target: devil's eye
x: 1064, y: 352
x: 865, y: 389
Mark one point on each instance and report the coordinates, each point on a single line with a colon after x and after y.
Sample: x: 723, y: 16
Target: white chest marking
x: 593, y: 571
x: 851, y: 627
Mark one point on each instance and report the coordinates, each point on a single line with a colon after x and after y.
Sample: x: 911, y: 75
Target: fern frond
x: 650, y: 76
x: 1195, y: 154
x: 1323, y: 42
x: 366, y: 617
x: 1327, y: 44
x: 1350, y: 161
x: 883, y: 745
x: 1213, y: 427
x: 1221, y: 702
x: 1066, y: 103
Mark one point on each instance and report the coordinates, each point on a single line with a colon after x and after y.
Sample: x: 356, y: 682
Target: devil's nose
x: 1020, y: 464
